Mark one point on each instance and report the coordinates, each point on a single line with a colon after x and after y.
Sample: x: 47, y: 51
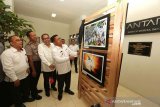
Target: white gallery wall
x: 74, y: 26
x: 51, y: 27
x: 141, y: 74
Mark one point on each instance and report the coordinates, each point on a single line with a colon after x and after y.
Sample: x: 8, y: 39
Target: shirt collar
x: 30, y: 42
x: 46, y: 45
x: 14, y: 49
x: 59, y: 47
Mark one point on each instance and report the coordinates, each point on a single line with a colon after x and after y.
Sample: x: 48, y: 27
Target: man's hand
x: 17, y: 83
x: 71, y: 57
x: 34, y: 74
x: 51, y: 67
x: 78, y: 53
x: 28, y: 71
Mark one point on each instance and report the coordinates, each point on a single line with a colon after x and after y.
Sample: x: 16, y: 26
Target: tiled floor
x: 124, y: 93
x: 74, y: 101
x: 67, y: 100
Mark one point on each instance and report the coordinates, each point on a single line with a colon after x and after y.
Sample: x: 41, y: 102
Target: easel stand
x: 89, y: 89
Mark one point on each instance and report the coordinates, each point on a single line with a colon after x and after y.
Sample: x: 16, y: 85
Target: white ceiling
x: 66, y: 11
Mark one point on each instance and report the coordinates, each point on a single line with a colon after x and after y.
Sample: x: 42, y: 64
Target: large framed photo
x: 94, y: 65
x: 96, y: 33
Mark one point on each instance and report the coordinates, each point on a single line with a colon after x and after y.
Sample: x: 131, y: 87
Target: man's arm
x: 8, y: 66
x: 72, y: 53
x: 41, y: 55
x: 59, y: 59
x: 30, y: 60
x: 43, y: 59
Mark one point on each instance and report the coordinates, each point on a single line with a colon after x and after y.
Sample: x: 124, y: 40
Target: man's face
x: 16, y: 42
x: 46, y: 39
x: 32, y: 36
x: 58, y: 41
x: 73, y: 42
x: 63, y: 41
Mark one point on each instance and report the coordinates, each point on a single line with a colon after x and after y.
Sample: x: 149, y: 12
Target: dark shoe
x: 69, y: 92
x: 54, y: 88
x: 38, y: 97
x: 39, y: 91
x: 47, y: 94
x: 59, y: 97
x: 28, y: 100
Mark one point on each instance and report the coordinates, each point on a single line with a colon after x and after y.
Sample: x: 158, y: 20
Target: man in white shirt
x: 62, y: 56
x: 63, y: 41
x: 15, y: 66
x: 47, y: 63
x: 74, y: 47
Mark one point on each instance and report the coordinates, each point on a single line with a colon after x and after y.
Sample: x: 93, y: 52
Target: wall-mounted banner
x: 140, y: 48
x: 149, y: 25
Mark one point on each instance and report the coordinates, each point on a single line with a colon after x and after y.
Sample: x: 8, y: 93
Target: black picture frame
x: 94, y: 65
x: 96, y: 33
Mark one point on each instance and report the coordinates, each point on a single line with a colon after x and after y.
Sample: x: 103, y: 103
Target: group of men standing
x: 22, y: 68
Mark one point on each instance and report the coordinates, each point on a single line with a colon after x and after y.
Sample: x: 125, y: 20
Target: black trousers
x: 47, y: 76
x: 5, y: 99
x: 75, y: 63
x: 64, y: 78
x: 34, y: 80
x: 20, y: 93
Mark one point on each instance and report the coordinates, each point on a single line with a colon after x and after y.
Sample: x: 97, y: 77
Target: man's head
x: 73, y: 41
x: 32, y: 36
x: 57, y: 40
x: 15, y: 42
x: 63, y: 41
x: 46, y: 39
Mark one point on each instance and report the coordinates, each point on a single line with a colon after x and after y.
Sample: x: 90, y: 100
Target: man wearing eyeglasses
x: 62, y: 56
x: 47, y: 62
x: 16, y: 68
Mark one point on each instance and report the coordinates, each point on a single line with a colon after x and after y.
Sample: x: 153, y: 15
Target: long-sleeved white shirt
x: 74, y: 48
x: 15, y: 64
x: 45, y: 54
x: 61, y: 57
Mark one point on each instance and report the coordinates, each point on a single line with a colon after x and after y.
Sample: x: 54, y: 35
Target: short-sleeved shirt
x: 32, y: 49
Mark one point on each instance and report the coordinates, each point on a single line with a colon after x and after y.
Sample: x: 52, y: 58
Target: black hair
x: 43, y: 35
x: 53, y: 38
x: 28, y: 33
x: 10, y: 38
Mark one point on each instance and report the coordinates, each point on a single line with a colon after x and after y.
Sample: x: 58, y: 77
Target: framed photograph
x: 94, y: 65
x: 96, y: 33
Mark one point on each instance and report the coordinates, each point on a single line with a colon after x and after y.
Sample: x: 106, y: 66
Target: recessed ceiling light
x: 61, y: 0
x: 53, y: 15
